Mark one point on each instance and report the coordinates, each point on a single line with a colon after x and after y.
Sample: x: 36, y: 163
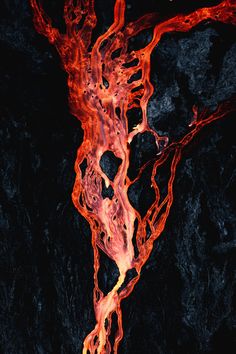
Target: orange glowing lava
x: 101, y: 92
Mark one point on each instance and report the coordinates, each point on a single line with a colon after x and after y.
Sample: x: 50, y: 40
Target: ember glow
x: 102, y: 89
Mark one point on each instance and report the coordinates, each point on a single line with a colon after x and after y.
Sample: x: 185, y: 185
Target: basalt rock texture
x: 184, y: 302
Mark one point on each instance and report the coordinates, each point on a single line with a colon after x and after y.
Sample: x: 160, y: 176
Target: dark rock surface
x: 184, y: 302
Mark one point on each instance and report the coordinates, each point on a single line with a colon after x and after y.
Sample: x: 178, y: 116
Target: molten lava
x: 102, y: 89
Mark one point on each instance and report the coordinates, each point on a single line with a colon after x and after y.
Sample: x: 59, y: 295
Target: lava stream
x: 101, y: 91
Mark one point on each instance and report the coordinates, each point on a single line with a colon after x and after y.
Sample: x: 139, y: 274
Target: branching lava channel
x: 102, y: 88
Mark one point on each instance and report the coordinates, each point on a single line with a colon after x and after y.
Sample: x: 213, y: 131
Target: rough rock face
x: 184, y: 301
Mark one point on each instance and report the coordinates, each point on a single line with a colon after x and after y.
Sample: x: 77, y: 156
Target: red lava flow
x: 101, y: 91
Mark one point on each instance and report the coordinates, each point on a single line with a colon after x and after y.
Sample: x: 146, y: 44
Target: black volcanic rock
x: 184, y: 302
